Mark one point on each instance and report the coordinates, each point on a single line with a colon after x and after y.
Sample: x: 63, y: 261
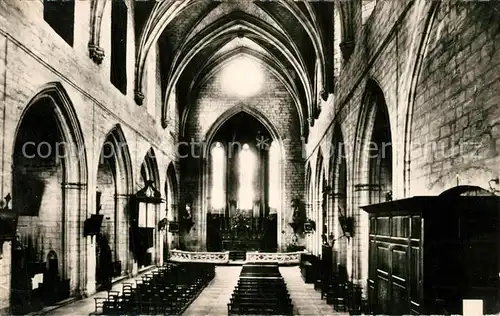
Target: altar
x: 241, y: 232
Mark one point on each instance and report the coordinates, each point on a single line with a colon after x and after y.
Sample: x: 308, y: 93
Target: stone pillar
x: 360, y: 242
x: 91, y: 264
x: 74, y: 217
x: 122, y: 231
x: 319, y: 224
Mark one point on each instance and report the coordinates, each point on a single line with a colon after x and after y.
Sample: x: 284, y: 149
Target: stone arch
x: 309, y: 195
x: 209, y: 135
x: 372, y: 171
x: 96, y: 52
x: 416, y: 62
x: 208, y: 140
x: 149, y: 168
x: 346, y: 14
x: 49, y: 183
x: 230, y: 26
x: 317, y: 207
x: 151, y: 253
x: 114, y: 187
x: 116, y: 139
x: 172, y: 207
x: 338, y: 195
x: 270, y: 63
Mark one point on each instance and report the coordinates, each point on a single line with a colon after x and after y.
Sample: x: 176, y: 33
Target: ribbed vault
x: 198, y: 37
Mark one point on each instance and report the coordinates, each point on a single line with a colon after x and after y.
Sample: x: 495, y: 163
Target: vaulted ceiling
x: 293, y: 40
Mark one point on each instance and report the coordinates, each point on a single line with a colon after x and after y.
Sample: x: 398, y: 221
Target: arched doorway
x: 113, y: 189
x: 49, y: 176
x: 171, y: 239
x: 240, y: 214
x: 309, y: 201
x: 147, y: 241
x: 373, y: 171
x: 338, y: 199
x: 320, y: 183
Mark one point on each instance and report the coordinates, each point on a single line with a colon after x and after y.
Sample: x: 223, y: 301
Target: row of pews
x: 261, y: 290
x: 344, y: 295
x: 165, y: 291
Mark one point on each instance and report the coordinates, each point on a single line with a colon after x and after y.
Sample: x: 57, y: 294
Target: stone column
x: 73, y: 245
x: 122, y: 231
x: 91, y: 264
x: 360, y: 243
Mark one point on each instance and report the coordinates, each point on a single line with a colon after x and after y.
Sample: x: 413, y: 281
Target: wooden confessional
x: 429, y: 253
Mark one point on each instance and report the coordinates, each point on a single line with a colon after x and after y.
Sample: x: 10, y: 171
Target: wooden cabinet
x: 428, y: 254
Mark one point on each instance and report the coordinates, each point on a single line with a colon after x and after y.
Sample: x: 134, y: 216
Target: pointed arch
x: 415, y: 76
x: 96, y: 52
x: 317, y: 207
x: 69, y: 125
x: 337, y: 204
x: 372, y: 170
x: 116, y: 139
x: 172, y: 187
x: 346, y: 13
x: 271, y: 63
x: 209, y: 135
x: 228, y: 27
x: 38, y: 181
x: 309, y: 185
x: 150, y: 168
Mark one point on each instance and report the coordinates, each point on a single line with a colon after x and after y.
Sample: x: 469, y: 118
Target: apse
x: 240, y: 185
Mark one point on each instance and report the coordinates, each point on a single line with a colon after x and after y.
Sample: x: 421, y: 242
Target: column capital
x: 366, y: 187
x: 73, y: 185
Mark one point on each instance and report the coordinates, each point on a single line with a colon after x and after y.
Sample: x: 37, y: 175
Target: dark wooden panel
x: 428, y: 254
x: 383, y: 259
x: 416, y: 227
x: 399, y: 263
x: 383, y: 298
x: 373, y: 260
x: 400, y: 226
x: 399, y: 299
x: 383, y: 227
x: 414, y: 277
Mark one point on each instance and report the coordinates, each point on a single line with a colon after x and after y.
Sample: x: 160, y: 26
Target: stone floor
x: 214, y: 298
x: 306, y: 300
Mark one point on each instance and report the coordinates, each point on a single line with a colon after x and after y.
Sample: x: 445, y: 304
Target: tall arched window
x: 246, y: 174
x: 274, y: 177
x: 218, y: 172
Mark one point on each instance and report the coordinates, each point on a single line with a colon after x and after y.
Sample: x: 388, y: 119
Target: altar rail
x: 206, y: 257
x: 286, y: 258
x: 274, y: 257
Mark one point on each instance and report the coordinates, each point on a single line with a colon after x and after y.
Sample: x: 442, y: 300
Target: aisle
x: 306, y: 300
x: 214, y: 298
